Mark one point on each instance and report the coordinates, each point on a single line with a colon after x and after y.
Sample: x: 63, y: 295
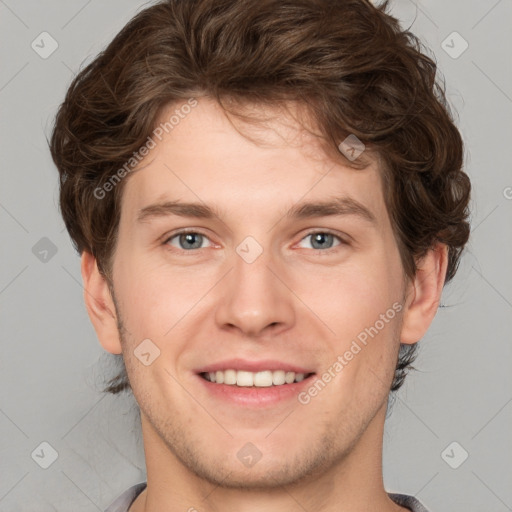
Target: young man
x: 268, y: 198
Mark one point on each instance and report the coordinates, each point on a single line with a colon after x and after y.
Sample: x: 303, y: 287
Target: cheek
x: 352, y: 297
x: 155, y: 297
x: 360, y: 303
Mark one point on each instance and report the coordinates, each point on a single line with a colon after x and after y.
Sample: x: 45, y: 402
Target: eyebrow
x: 337, y: 207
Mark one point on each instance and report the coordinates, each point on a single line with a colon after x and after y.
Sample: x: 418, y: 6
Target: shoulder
x: 122, y: 503
x: 409, y: 502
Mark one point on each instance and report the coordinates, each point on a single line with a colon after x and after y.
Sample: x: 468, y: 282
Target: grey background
x: 51, y: 363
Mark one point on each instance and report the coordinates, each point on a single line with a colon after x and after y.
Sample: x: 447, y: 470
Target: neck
x: 353, y: 483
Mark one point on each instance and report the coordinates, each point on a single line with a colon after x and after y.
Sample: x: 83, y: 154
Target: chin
x: 274, y: 472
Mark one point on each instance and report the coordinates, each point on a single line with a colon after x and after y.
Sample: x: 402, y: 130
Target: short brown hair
x: 348, y: 61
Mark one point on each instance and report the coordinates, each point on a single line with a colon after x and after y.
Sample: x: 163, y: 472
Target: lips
x: 254, y: 384
x: 254, y: 366
x: 260, y: 374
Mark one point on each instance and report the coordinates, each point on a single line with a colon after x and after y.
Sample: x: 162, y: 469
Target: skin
x: 296, y: 302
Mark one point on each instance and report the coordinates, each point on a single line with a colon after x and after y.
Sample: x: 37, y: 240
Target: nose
x: 254, y: 300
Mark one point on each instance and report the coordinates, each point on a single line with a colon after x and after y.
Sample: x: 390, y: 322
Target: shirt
x: 123, y: 502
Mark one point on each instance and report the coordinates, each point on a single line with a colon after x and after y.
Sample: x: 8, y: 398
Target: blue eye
x: 188, y: 240
x: 192, y: 240
x: 322, y: 240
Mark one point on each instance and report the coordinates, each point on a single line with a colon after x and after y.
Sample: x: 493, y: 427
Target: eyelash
x: 314, y: 232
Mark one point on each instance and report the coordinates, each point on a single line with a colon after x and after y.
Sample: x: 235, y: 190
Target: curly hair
x: 348, y: 61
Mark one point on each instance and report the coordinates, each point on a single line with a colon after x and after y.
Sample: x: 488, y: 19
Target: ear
x: 424, y: 294
x: 100, y: 305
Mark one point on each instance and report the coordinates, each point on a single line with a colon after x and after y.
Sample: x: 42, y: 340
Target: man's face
x: 254, y: 287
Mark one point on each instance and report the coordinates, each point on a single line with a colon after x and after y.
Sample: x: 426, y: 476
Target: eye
x: 187, y: 240
x: 323, y: 240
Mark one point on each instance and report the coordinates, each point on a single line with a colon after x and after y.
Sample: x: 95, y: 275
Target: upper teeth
x: 259, y: 379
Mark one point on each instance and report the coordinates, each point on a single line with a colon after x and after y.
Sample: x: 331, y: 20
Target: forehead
x: 264, y: 164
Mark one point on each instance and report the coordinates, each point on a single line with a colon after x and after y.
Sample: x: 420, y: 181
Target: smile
x: 261, y: 379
